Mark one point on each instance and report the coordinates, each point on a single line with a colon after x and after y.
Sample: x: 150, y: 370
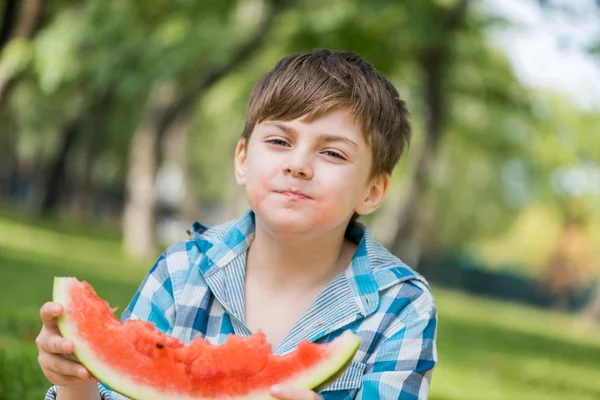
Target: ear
x: 240, y: 162
x: 377, y: 189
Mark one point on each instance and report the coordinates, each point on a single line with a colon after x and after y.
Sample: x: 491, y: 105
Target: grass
x: 488, y: 350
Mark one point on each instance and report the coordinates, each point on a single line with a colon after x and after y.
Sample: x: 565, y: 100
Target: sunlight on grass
x: 494, y: 350
x: 30, y: 257
x: 518, y: 317
x: 42, y: 242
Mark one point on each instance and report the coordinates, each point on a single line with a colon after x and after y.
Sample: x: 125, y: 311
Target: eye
x: 278, y: 142
x: 334, y: 154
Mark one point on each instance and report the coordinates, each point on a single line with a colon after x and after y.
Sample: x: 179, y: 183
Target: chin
x: 292, y: 224
x: 288, y: 220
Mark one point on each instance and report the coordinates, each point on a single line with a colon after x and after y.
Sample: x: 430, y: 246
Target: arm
x: 87, y: 392
x: 401, y: 367
x: 96, y: 392
x: 154, y: 300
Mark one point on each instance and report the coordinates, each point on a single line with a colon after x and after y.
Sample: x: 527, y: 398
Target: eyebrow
x: 326, y: 137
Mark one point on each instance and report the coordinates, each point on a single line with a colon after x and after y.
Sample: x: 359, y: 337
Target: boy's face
x: 309, y: 177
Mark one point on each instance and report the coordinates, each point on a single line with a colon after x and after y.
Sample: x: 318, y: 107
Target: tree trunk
x: 19, y: 19
x: 30, y: 16
x: 139, y: 214
x: 9, y: 17
x: 592, y: 309
x: 139, y: 217
x: 8, y: 158
x: 81, y: 202
x: 406, y: 242
x: 54, y: 182
x: 432, y: 61
x: 175, y: 155
x: 26, y: 25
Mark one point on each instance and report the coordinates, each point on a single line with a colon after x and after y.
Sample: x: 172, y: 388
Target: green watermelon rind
x: 318, y: 376
x: 86, y: 355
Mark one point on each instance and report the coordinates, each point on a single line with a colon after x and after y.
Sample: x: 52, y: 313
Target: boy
x: 322, y: 134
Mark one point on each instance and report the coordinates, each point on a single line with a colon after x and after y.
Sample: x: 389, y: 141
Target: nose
x: 298, y: 167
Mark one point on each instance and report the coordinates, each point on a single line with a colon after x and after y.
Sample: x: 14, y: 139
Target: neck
x: 282, y: 263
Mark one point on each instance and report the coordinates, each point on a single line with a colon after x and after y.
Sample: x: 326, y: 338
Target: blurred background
x: 118, y: 123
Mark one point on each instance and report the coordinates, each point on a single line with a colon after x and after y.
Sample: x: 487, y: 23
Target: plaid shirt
x: 196, y: 287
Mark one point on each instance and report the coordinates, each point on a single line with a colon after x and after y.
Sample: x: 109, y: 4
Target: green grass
x: 487, y: 349
x: 491, y: 350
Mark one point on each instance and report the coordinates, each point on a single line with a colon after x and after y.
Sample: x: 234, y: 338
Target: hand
x: 282, y: 392
x: 55, y: 353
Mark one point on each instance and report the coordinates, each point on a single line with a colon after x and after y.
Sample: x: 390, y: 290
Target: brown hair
x: 312, y: 84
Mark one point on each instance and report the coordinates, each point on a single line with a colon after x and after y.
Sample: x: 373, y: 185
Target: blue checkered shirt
x: 196, y: 287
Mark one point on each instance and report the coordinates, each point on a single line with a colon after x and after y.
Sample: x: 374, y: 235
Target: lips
x: 294, y: 194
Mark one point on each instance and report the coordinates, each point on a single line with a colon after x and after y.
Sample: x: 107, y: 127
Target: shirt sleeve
x: 153, y: 302
x: 402, y: 365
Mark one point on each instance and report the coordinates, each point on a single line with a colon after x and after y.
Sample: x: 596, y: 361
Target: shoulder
x: 404, y: 324
x: 407, y: 307
x: 402, y: 290
x: 179, y: 258
x: 389, y: 270
x: 210, y: 235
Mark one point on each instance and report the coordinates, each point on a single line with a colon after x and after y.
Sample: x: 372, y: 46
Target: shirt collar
x: 224, y: 243
x: 360, y: 272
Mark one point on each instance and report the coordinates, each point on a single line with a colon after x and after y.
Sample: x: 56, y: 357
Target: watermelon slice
x: 136, y: 359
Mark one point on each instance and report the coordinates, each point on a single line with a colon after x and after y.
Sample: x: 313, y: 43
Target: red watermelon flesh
x: 138, y: 360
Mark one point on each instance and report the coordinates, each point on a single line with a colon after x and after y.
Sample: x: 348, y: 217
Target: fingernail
x: 64, y: 346
x: 82, y: 373
x: 55, y: 308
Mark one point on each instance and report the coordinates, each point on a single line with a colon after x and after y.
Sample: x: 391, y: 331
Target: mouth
x: 294, y: 194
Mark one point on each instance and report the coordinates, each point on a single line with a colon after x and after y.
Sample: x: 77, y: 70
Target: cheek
x: 340, y: 193
x: 257, y: 178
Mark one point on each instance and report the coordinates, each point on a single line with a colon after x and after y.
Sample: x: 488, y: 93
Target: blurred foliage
x: 515, y: 165
x: 506, y: 149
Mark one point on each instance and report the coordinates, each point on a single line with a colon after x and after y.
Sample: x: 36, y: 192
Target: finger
x: 64, y: 367
x: 48, y: 313
x: 283, y: 392
x: 73, y: 358
x: 62, y: 380
x: 55, y: 344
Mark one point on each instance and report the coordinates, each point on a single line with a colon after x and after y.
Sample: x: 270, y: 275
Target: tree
x: 433, y: 58
x: 21, y: 22
x: 575, y: 14
x: 169, y: 103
